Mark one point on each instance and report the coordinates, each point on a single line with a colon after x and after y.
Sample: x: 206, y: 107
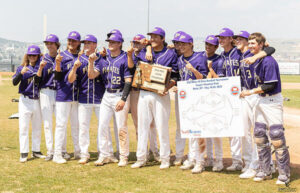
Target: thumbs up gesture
x: 59, y: 57
x: 77, y: 63
x: 103, y: 52
x: 24, y: 70
x: 130, y: 49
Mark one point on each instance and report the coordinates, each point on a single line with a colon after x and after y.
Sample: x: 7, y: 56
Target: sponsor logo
x: 234, y: 90
x: 182, y: 94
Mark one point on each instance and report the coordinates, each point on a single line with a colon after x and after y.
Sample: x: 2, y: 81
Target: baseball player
x: 153, y: 106
x: 192, y: 65
x: 66, y: 98
x: 90, y: 92
x: 215, y: 66
x: 268, y: 114
x: 117, y: 79
x: 136, y: 46
x: 29, y: 107
x: 45, y: 77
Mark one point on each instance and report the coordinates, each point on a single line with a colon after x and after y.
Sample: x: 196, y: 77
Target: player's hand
x: 93, y: 57
x: 175, y: 89
x: 43, y: 63
x: 58, y: 58
x: 162, y: 93
x: 149, y: 55
x: 171, y: 46
x: 245, y: 93
x: 120, y: 105
x: 249, y: 60
x: 189, y: 65
x: 24, y: 70
x: 267, y: 44
x: 144, y: 42
x: 209, y: 64
x: 130, y: 50
x: 103, y: 52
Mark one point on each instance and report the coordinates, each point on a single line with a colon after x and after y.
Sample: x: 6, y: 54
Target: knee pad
x: 277, y: 136
x: 260, y: 135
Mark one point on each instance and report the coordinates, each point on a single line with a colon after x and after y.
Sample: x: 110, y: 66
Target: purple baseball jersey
x: 198, y: 61
x: 90, y: 91
x: 27, y: 85
x: 231, y: 62
x: 114, y: 70
x: 217, y: 64
x: 247, y: 72
x: 48, y: 73
x: 66, y: 91
x: 268, y: 71
x: 165, y: 57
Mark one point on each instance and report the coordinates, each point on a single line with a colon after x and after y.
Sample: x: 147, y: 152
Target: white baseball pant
x: 64, y: 110
x: 152, y: 106
x: 107, y: 111
x: 179, y: 142
x: 217, y: 143
x: 134, y: 98
x: 29, y: 110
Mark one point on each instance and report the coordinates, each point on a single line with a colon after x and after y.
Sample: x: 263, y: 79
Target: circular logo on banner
x: 234, y: 90
x: 182, y: 94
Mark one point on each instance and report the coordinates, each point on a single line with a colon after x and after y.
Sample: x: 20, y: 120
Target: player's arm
x: 267, y: 51
x: 126, y: 90
x: 211, y: 73
x: 58, y: 73
x: 197, y: 74
x: 266, y: 87
x: 129, y: 57
x: 92, y: 72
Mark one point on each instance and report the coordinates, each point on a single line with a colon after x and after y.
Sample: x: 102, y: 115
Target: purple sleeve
x: 18, y: 71
x: 142, y: 55
x: 202, y: 66
x: 220, y: 70
x: 270, y: 71
x: 174, y: 64
x: 97, y: 65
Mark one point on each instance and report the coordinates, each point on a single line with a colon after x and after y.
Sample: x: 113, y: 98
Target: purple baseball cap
x: 225, y: 32
x: 89, y: 38
x: 186, y: 38
x: 51, y: 38
x: 115, y: 37
x: 177, y: 35
x: 138, y: 37
x: 33, y: 50
x: 158, y: 31
x: 243, y: 34
x: 74, y: 35
x: 211, y: 39
x: 114, y: 31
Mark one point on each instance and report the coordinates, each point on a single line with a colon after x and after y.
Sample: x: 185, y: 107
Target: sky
x: 22, y: 20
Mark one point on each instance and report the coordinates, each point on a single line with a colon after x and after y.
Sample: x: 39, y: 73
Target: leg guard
x: 263, y: 147
x: 281, y: 151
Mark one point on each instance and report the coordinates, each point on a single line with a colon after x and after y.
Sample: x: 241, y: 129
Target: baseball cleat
x: 217, y: 166
x: 261, y: 176
x: 178, y: 161
x: 282, y: 180
x: 138, y: 164
x: 123, y: 162
x: 234, y: 167
x: 245, y: 168
x: 76, y: 155
x: 156, y: 157
x: 66, y: 156
x: 23, y: 157
x: 164, y: 165
x: 38, y: 154
x: 59, y: 160
x: 187, y: 165
x: 249, y: 173
x: 49, y: 157
x: 101, y: 161
x: 113, y: 159
x: 83, y: 160
x: 198, y: 168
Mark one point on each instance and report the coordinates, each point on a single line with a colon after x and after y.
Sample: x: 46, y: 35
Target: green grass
x: 40, y: 176
x: 294, y: 96
x: 290, y: 78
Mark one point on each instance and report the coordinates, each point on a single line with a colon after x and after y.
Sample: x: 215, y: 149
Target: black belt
x: 28, y: 97
x: 111, y: 90
x: 266, y: 95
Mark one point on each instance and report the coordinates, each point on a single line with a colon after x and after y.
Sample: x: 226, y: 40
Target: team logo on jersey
x: 182, y: 94
x: 234, y: 90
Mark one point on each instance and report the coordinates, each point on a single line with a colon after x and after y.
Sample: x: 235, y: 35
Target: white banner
x: 289, y: 68
x: 210, y: 108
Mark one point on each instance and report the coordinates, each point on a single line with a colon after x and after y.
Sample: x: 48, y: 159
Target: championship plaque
x: 151, y: 77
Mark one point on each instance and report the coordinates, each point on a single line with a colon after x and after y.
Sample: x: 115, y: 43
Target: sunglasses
x: 32, y: 55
